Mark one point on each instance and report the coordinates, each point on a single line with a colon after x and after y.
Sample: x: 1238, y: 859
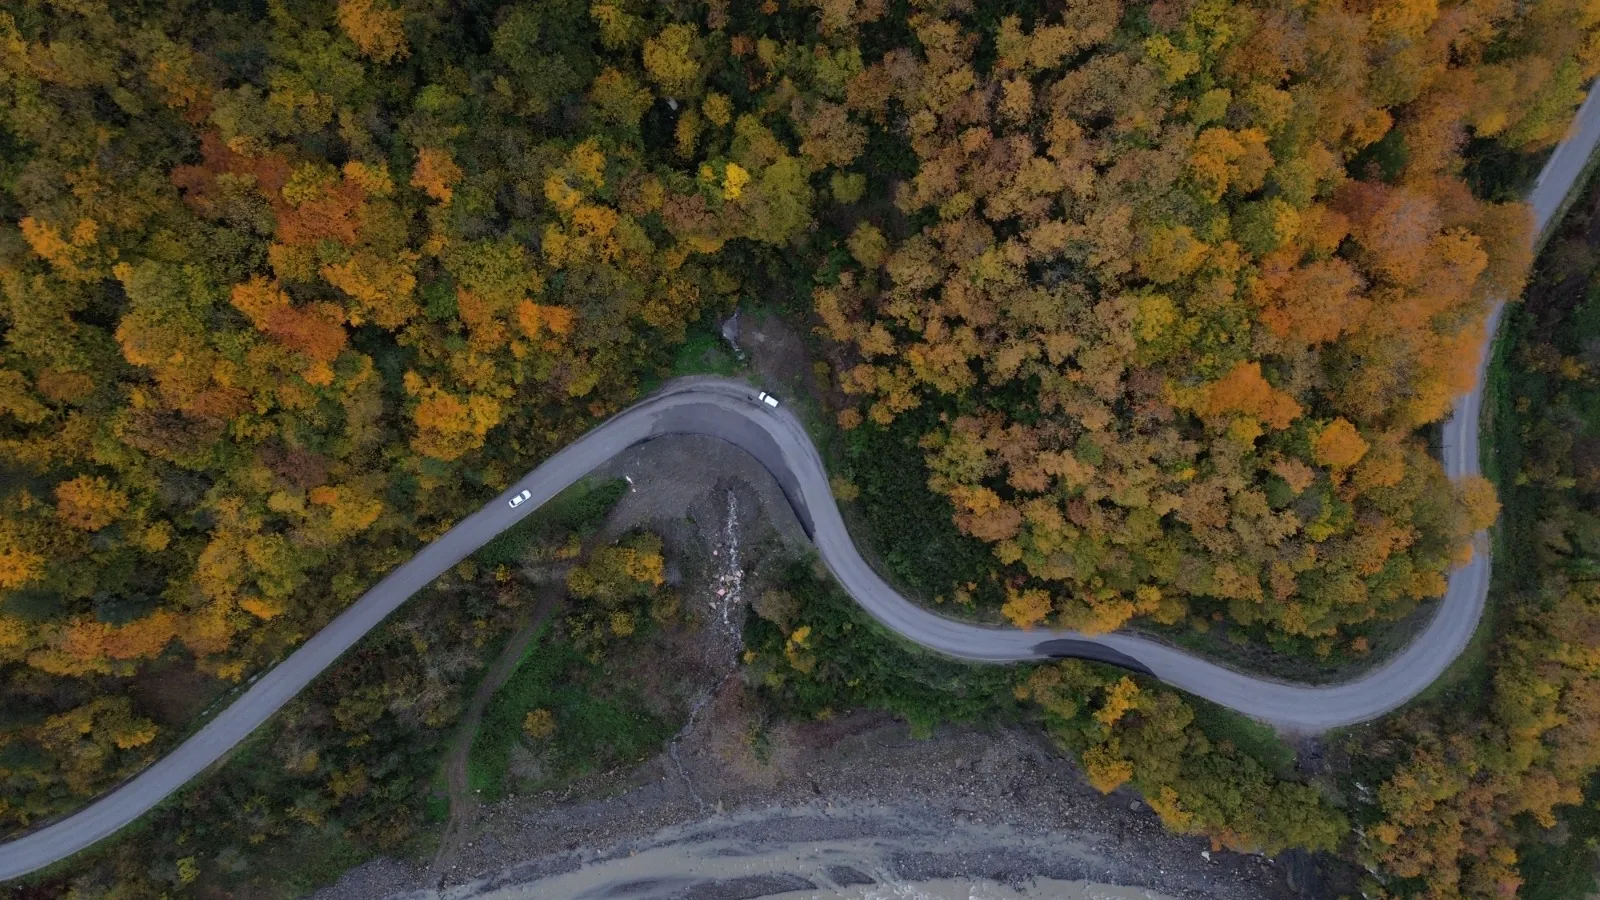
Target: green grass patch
x: 438, y: 807
x: 849, y: 661
x: 1260, y: 650
x: 704, y: 352
x: 908, y: 525
x: 311, y: 860
x: 599, y: 723
x: 1498, y: 173
x: 580, y: 509
x: 1499, y: 431
x: 1248, y: 736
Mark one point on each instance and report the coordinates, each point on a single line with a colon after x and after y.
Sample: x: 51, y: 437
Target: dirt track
x: 463, y: 805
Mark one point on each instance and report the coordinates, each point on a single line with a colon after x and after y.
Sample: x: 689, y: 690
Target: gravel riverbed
x: 858, y: 795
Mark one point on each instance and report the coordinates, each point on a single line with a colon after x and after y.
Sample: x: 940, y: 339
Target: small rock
x: 1206, y: 854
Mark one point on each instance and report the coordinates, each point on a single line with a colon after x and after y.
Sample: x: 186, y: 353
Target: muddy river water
x: 966, y: 889
x: 940, y: 889
x: 730, y: 865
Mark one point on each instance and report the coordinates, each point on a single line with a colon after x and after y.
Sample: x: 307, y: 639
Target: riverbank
x: 738, y: 817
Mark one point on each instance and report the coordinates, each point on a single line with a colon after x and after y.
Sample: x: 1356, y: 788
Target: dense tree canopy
x: 288, y: 287
x: 1186, y: 280
x: 282, y: 296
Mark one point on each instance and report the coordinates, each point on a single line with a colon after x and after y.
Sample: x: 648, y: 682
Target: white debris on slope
x: 727, y: 582
x: 725, y: 597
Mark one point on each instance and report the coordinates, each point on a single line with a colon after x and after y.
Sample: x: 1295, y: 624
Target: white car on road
x: 518, y: 499
x: 768, y: 399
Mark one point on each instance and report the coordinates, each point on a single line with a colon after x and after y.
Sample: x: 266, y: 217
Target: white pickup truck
x: 768, y: 399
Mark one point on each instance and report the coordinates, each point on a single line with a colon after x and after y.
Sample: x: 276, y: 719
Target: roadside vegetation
x: 814, y: 654
x: 704, y: 352
x: 910, y: 527
x: 555, y: 528
x: 347, y: 770
x: 340, y: 775
x: 912, y: 531
x: 1467, y: 787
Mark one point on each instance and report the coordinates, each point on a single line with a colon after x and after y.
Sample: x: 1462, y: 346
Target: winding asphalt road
x: 727, y: 410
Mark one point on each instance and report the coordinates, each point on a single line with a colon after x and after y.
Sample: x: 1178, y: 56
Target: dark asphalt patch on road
x: 1066, y: 648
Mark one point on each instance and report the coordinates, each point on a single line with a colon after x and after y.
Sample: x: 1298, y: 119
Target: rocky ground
x: 858, y: 796
x: 1000, y: 804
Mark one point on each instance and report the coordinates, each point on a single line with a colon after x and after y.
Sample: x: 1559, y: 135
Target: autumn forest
x: 1172, y: 295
